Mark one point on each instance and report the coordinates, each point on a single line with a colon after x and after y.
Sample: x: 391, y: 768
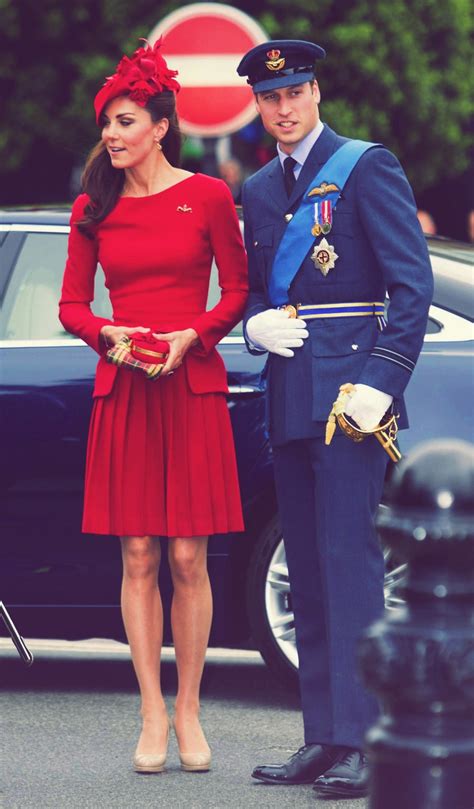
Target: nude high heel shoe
x: 151, y: 762
x: 194, y: 762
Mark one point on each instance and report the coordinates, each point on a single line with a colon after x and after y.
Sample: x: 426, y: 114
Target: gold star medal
x: 324, y: 256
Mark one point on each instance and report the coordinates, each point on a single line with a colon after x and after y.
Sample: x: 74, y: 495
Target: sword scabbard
x: 387, y: 443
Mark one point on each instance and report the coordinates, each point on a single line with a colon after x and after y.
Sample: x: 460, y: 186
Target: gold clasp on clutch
x: 121, y: 355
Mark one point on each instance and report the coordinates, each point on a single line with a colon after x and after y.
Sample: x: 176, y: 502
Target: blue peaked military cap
x: 280, y: 63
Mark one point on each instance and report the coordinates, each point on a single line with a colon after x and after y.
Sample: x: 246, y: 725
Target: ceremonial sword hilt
x: 385, y: 432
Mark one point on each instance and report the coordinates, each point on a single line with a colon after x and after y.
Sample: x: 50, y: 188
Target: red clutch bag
x: 140, y: 352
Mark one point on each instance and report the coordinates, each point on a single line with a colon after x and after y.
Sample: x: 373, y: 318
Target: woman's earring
x: 159, y: 146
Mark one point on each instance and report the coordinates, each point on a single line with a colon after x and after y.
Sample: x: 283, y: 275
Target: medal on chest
x: 322, y: 218
x: 324, y: 256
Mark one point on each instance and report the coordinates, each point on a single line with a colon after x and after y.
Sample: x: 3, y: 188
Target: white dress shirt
x: 302, y: 149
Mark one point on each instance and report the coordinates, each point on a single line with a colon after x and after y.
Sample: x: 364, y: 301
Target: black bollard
x: 419, y: 660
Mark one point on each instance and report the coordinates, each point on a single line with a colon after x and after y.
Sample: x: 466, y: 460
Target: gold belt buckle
x: 292, y: 310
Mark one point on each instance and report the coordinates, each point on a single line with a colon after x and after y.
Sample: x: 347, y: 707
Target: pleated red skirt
x: 160, y: 461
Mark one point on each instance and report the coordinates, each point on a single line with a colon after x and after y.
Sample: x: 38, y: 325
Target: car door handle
x: 242, y: 390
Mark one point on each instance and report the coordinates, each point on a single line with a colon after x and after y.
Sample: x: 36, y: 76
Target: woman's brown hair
x: 103, y: 183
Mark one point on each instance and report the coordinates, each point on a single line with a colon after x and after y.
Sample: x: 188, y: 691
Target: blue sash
x: 298, y: 239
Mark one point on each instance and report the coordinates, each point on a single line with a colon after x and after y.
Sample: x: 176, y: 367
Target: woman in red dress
x: 160, y: 458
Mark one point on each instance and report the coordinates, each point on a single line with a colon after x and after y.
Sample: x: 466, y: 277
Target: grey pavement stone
x: 68, y: 732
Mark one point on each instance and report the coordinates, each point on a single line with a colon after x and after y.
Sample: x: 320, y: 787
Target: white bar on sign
x: 207, y: 70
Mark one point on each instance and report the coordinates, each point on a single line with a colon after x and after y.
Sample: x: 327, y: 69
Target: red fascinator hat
x: 141, y: 76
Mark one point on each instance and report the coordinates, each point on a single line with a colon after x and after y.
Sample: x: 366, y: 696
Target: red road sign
x: 205, y: 42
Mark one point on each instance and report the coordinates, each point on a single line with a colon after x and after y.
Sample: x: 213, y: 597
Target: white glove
x: 274, y: 330
x: 367, y: 405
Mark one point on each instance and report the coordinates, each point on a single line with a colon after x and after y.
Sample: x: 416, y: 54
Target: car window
x: 214, y: 289
x: 214, y: 295
x: 31, y: 302
x: 30, y: 308
x: 432, y: 326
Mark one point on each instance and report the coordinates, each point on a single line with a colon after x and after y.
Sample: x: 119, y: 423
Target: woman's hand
x: 112, y: 334
x: 180, y: 342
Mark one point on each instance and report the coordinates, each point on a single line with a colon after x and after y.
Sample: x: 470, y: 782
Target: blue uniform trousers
x: 328, y: 497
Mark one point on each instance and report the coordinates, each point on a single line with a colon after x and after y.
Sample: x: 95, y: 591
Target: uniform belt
x: 310, y: 311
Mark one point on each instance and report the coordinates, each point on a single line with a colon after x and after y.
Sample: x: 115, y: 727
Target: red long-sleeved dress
x: 160, y: 456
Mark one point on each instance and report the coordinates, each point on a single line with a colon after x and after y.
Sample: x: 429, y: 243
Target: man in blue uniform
x: 330, y: 229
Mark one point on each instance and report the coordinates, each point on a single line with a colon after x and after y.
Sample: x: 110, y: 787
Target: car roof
x: 452, y: 261
x: 59, y: 215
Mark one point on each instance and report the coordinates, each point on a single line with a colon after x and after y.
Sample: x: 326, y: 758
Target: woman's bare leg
x: 143, y: 619
x: 191, y: 615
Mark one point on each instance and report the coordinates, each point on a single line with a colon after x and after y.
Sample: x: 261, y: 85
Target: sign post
x: 205, y: 42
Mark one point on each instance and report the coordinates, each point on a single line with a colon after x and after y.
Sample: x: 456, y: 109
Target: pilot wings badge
x: 323, y: 189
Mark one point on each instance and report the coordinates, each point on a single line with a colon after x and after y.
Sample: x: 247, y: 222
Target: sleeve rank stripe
x: 391, y: 359
x: 396, y: 354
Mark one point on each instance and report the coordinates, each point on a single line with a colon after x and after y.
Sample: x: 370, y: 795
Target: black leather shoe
x: 347, y: 778
x: 301, y: 768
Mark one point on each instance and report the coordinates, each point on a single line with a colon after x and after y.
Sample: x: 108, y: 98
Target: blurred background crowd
x: 397, y: 72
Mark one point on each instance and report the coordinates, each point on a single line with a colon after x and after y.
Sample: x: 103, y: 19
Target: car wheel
x: 269, y: 605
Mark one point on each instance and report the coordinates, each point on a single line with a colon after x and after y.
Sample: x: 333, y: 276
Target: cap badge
x: 324, y: 256
x: 323, y: 189
x: 275, y: 63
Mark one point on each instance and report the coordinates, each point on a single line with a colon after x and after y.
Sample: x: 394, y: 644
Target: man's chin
x: 288, y: 138
x: 293, y: 135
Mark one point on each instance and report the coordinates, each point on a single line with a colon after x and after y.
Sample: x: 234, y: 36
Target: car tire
x: 268, y: 600
x: 276, y: 645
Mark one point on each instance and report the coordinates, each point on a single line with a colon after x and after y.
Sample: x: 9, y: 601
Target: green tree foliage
x: 397, y: 71
x: 54, y: 56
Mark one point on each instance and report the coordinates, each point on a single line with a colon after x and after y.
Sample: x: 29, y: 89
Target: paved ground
x: 68, y: 729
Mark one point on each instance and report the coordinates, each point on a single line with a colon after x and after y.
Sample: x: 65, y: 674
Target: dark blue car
x: 59, y: 583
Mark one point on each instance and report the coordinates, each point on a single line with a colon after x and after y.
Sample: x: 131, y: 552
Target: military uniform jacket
x: 381, y: 251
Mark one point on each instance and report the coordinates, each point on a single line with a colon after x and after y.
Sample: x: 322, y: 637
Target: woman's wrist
x: 192, y: 337
x: 105, y: 338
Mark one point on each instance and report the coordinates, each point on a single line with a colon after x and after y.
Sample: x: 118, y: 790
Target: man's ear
x: 316, y: 91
